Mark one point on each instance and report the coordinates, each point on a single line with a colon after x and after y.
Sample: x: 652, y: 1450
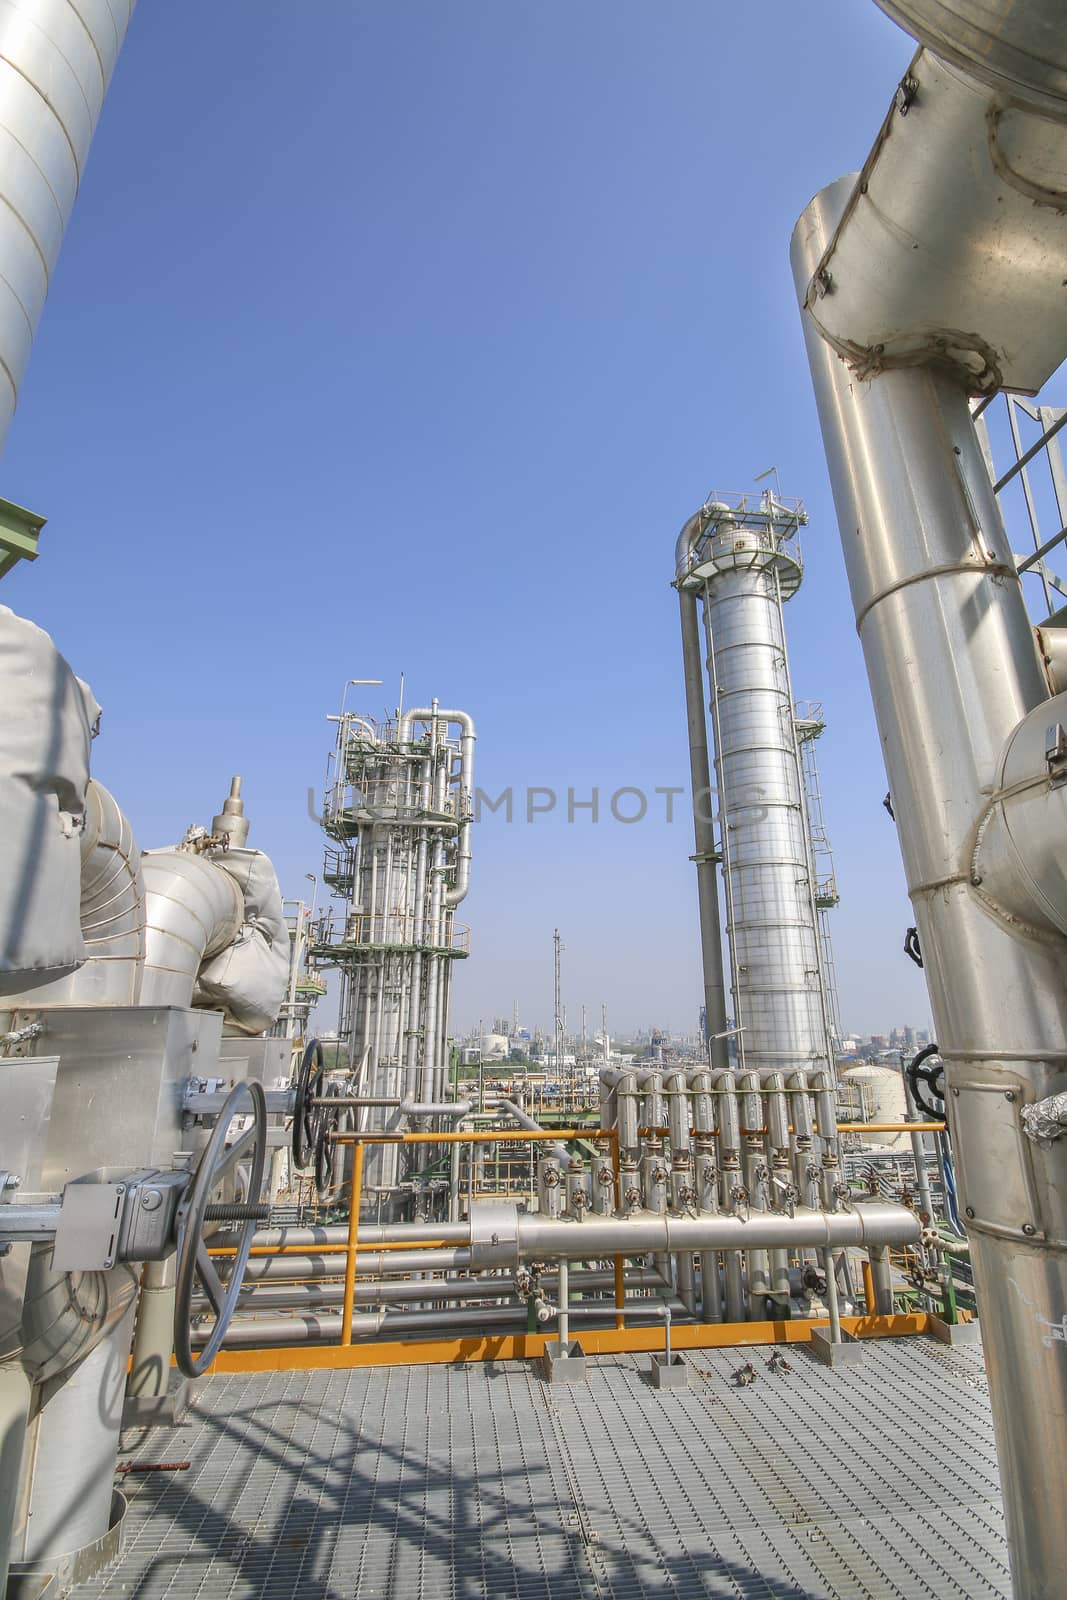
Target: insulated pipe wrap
x: 56, y: 60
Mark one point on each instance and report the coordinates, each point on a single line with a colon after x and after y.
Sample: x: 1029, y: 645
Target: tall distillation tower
x: 740, y: 555
x: 398, y: 810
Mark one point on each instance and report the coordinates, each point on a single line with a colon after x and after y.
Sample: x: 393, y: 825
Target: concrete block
x: 158, y: 1410
x: 849, y: 1353
x: 563, y: 1363
x: 955, y: 1332
x: 673, y: 1374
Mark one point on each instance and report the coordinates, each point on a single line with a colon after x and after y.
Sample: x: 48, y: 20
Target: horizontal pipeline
x: 866, y: 1223
x: 325, y: 1327
x: 294, y: 1267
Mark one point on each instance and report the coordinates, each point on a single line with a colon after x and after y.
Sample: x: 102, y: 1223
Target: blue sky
x: 404, y: 338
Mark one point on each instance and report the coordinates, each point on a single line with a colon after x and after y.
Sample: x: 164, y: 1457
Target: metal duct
x: 64, y: 1314
x: 194, y: 911
x: 950, y: 247
x: 56, y: 60
x: 954, y: 669
x: 1020, y: 50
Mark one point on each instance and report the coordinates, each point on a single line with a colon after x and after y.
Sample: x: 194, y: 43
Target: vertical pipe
x: 882, y: 1280
x: 563, y: 1269
x: 354, y: 1199
x: 76, y: 1440
x: 153, y: 1341
x: 705, y: 856
x: 16, y: 1393
x: 954, y: 668
x: 832, y: 1304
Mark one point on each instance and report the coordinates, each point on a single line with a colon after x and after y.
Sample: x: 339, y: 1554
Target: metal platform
x: 467, y: 1481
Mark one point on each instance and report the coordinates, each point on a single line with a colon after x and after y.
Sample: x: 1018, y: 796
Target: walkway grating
x: 470, y: 1482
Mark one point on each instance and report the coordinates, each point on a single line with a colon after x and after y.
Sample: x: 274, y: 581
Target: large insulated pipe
x: 194, y: 911
x: 56, y: 60
x: 705, y: 854
x: 111, y: 912
x: 954, y: 669
x: 743, y: 563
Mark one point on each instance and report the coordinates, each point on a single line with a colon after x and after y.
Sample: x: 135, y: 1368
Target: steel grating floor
x: 457, y: 1483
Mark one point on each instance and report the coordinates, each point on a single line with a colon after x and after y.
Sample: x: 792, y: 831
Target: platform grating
x: 455, y: 1483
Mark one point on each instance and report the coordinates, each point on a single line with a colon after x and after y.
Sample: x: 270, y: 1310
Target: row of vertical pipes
x: 694, y: 1141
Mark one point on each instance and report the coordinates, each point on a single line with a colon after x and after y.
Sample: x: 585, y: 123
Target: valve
x: 932, y: 1078
x: 221, y: 1277
x: 307, y: 1113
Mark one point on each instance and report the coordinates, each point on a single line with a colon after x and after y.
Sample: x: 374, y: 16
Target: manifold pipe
x: 56, y: 62
x: 705, y: 854
x: 194, y: 910
x: 867, y: 1223
x: 467, y: 736
x: 524, y: 1120
x: 954, y: 669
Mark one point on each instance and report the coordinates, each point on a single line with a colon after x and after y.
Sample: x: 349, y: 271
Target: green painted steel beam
x: 19, y: 532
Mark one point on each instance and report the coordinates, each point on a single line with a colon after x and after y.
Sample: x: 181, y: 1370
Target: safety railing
x: 383, y: 930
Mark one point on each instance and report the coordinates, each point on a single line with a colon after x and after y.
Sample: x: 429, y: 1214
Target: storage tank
x: 883, y: 1092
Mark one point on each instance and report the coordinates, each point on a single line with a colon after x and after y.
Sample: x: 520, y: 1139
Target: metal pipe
x: 153, y: 1342
x: 193, y: 911
x: 405, y: 1234
x: 325, y: 1327
x: 954, y: 669
x: 869, y: 1222
x: 564, y: 1324
x: 452, y: 1110
x: 74, y: 1441
x: 467, y: 736
x: 524, y: 1120
x: 882, y: 1280
x: 706, y: 856
x: 369, y: 1264
x: 321, y: 1289
x: 833, y: 1305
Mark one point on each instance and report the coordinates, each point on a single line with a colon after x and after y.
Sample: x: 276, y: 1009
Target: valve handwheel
x: 307, y: 1116
x: 934, y: 1080
x: 208, y: 1214
x: 325, y: 1149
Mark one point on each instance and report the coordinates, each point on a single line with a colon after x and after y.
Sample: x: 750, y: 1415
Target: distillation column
x: 399, y: 806
x: 743, y: 560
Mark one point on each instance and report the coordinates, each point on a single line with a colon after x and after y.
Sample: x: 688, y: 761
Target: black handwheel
x: 934, y: 1080
x: 219, y: 1277
x: 310, y: 1082
x: 325, y: 1149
